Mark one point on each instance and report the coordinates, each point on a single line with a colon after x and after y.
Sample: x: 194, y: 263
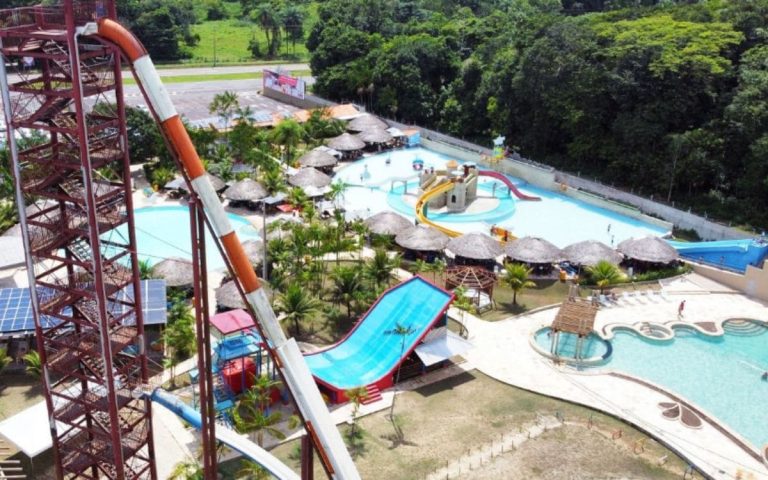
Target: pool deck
x: 502, y: 351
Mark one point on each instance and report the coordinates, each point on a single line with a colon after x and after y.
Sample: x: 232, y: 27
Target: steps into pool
x: 373, y: 394
x: 744, y: 328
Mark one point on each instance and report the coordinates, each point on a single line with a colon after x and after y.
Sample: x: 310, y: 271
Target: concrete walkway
x: 502, y: 351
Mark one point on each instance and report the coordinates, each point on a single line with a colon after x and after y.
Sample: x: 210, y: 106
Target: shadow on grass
x: 443, y: 385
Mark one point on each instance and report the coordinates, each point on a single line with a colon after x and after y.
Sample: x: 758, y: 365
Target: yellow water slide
x: 421, y: 204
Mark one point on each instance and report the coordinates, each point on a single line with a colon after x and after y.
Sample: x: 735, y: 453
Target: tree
x: 346, y: 284
x: 354, y: 435
x: 273, y: 180
x: 337, y: 190
x: 437, y: 266
x: 146, y: 270
x: 249, y: 419
x: 34, y: 364
x: 253, y: 471
x: 225, y: 105
x: 380, y: 268
x: 179, y: 336
x: 604, y: 273
x: 267, y: 16
x: 144, y: 140
x: 403, y: 332
x: 297, y: 304
x: 5, y: 359
x: 189, y: 469
x: 288, y: 133
x: 293, y: 24
x: 516, y: 278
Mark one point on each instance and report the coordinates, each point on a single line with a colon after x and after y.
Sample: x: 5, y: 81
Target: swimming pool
x: 593, y: 347
x: 720, y: 375
x: 558, y: 218
x: 163, y: 232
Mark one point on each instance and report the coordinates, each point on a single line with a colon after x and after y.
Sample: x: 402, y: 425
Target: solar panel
x: 16, y: 309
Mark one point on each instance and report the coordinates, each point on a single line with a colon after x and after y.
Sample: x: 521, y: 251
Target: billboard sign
x: 293, y: 86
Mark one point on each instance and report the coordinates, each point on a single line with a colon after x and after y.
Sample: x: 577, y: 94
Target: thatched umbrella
x: 422, y: 238
x: 376, y: 135
x: 247, y: 190
x: 533, y: 250
x: 218, y: 184
x: 310, y: 177
x: 366, y: 122
x: 346, y: 142
x: 228, y: 296
x: 590, y: 252
x: 648, y: 249
x: 477, y: 246
x: 387, y: 223
x: 254, y: 250
x: 317, y: 159
x: 177, y: 272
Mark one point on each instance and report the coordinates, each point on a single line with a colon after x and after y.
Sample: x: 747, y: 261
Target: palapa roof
x: 387, y: 223
x: 470, y: 277
x: 648, y: 249
x: 375, y: 135
x: 246, y: 190
x: 422, y: 238
x: 228, y: 296
x: 477, y: 246
x: 575, y: 317
x: 317, y: 158
x: 346, y: 142
x: 179, y: 184
x: 177, y: 272
x: 310, y: 177
x: 533, y: 250
x: 366, y: 122
x: 590, y: 252
x: 254, y: 250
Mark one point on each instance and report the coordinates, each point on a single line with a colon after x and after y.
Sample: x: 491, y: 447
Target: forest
x: 665, y: 99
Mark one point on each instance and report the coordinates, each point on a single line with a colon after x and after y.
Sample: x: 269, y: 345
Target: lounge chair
x: 604, y: 301
x: 651, y: 295
x: 663, y: 295
x: 628, y: 297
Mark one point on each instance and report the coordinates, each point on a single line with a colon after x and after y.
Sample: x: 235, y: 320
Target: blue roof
x: 237, y: 347
x: 16, y: 309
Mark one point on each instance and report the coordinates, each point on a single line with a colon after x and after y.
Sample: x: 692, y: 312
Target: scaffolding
x: 73, y: 192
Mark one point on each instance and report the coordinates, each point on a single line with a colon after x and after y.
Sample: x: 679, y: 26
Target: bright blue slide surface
x: 371, y: 350
x: 732, y: 254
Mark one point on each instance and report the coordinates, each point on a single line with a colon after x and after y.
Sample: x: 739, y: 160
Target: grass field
x: 214, y: 77
x: 226, y: 41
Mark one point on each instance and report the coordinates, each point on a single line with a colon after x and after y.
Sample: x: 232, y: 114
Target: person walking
x: 680, y: 309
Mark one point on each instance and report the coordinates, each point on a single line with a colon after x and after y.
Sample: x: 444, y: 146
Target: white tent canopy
x: 11, y: 252
x: 439, y: 347
x: 29, y: 430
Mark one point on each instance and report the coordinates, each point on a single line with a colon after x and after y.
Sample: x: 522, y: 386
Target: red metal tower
x: 73, y: 191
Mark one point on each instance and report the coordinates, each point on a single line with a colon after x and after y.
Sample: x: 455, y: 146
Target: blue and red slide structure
x: 370, y: 353
x: 730, y: 254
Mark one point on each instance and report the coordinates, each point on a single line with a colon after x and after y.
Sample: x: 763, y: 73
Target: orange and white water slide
x: 318, y: 422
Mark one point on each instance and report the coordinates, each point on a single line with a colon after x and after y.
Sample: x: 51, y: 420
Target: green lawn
x: 227, y: 40
x: 214, y: 77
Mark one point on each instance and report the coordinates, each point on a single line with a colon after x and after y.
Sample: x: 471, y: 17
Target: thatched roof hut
x: 228, y: 296
x: 310, y: 177
x: 422, y: 238
x: 387, y: 223
x: 318, y: 159
x: 177, y: 272
x: 247, y: 190
x: 254, y: 250
x: 533, y: 250
x: 575, y: 317
x: 366, y: 122
x: 477, y: 246
x: 346, y: 142
x: 179, y: 184
x: 648, y: 249
x: 590, y: 252
x: 376, y: 135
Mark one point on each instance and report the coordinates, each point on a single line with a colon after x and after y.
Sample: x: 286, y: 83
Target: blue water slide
x: 373, y: 349
x: 226, y: 436
x: 730, y: 254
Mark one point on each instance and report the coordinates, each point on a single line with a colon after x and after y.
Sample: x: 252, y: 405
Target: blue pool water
x: 371, y: 350
x: 163, y: 232
x: 593, y: 346
x: 558, y: 218
x: 721, y: 375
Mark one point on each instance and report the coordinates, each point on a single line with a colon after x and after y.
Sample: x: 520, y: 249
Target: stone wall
x: 754, y: 282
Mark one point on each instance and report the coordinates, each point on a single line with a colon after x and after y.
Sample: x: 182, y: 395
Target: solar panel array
x: 16, y: 308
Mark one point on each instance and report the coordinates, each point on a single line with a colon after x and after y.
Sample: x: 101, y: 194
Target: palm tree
x: 604, y: 273
x: 420, y: 266
x: 253, y: 471
x: 288, y: 133
x: 145, y: 270
x: 297, y: 305
x: 516, y: 278
x: 189, y: 469
x: 337, y: 190
x: 257, y: 421
x: 34, y: 364
x: 356, y: 396
x: 225, y: 105
x: 402, y: 331
x: 297, y: 197
x: 5, y: 359
x: 346, y: 284
x: 379, y: 268
x: 260, y: 393
x: 438, y: 266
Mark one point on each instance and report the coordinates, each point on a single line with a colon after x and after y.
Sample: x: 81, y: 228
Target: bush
x: 652, y: 275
